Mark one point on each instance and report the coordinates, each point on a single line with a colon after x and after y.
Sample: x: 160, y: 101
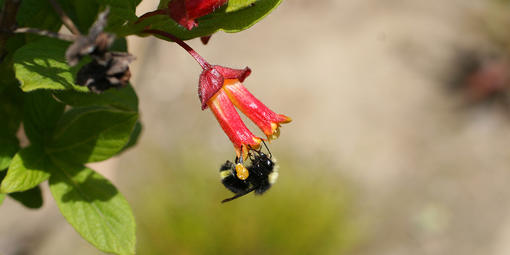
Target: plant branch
x: 41, y: 32
x: 7, y: 23
x: 65, y: 19
x: 150, y: 14
x: 203, y: 63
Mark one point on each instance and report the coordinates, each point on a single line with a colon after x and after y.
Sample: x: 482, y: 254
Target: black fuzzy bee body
x: 262, y: 175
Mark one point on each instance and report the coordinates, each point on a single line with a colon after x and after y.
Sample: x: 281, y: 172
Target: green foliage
x: 10, y: 146
x: 39, y: 14
x: 122, y: 11
x: 135, y: 135
x: 94, y: 207
x: 31, y: 198
x: 42, y: 112
x: 41, y: 65
x: 11, y: 109
x: 82, y: 12
x: 28, y: 168
x: 2, y: 196
x: 122, y: 99
x: 238, y: 15
x: 91, y: 134
x: 66, y: 126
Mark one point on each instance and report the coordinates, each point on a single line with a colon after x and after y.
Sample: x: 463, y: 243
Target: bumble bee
x: 257, y: 177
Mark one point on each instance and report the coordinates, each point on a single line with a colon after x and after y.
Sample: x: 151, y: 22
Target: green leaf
x: 235, y: 5
x: 28, y: 168
x: 82, y: 12
x: 11, y: 109
x: 42, y: 112
x: 11, y: 112
x: 120, y: 44
x: 41, y: 65
x: 90, y: 134
x: 7, y: 77
x: 124, y: 98
x: 135, y: 135
x: 232, y: 5
x: 31, y: 198
x: 9, y: 145
x: 238, y: 15
x: 2, y: 176
x: 39, y: 14
x: 121, y: 11
x: 94, y: 207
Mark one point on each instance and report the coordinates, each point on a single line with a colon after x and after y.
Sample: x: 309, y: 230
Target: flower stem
x: 150, y: 14
x: 41, y: 32
x: 65, y: 19
x: 8, y: 13
x: 203, y: 63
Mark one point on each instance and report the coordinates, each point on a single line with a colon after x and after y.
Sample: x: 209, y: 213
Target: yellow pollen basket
x: 242, y: 172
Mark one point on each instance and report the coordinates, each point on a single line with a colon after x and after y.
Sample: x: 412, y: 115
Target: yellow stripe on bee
x: 224, y: 174
x: 273, y: 177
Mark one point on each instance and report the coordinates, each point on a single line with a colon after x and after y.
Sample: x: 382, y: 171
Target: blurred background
x: 400, y: 142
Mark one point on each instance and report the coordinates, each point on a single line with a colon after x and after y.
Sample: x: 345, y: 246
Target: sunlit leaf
x: 41, y: 65
x: 28, y: 168
x: 94, y: 207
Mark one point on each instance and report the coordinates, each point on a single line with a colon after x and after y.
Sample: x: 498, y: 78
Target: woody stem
x: 65, y: 19
x: 203, y: 63
x: 8, y: 13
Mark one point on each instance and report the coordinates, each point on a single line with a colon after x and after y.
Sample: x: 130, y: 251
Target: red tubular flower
x: 232, y: 124
x: 220, y: 88
x: 268, y: 121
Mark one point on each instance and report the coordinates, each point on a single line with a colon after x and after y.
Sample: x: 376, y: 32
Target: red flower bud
x: 185, y: 12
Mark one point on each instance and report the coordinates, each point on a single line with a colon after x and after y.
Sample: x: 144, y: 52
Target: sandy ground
x: 363, y: 82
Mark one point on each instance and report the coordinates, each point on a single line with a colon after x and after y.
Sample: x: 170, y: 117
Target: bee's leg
x: 237, y: 196
x: 267, y: 148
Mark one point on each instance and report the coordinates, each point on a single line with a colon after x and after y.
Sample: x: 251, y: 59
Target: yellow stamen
x: 275, y: 129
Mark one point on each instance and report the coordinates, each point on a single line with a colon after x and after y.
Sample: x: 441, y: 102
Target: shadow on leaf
x: 74, y: 183
x: 91, y: 189
x: 47, y: 71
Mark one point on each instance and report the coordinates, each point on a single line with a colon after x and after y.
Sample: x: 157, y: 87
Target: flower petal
x: 231, y: 123
x: 267, y: 120
x: 229, y: 73
x: 210, y: 82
